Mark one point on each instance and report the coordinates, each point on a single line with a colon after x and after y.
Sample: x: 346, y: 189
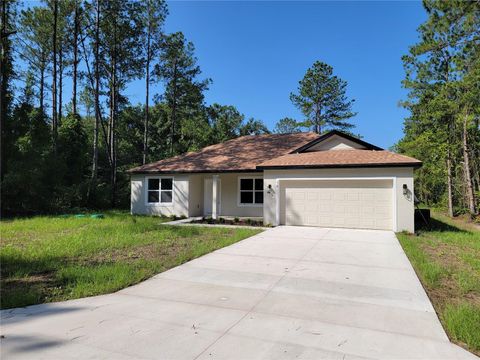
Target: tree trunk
x: 449, y: 184
x: 92, y: 80
x: 318, y: 119
x: 112, y: 130
x: 60, y: 85
x: 54, y: 80
x: 75, y: 60
x: 42, y: 89
x: 147, y: 94
x: 174, y: 109
x: 466, y: 165
x: 4, y: 99
x: 93, y: 179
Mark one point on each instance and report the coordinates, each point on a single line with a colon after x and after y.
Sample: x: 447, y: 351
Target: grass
x: 446, y: 257
x: 45, y: 259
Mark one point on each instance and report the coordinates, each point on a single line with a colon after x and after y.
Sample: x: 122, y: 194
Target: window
x: 251, y: 191
x: 160, y: 190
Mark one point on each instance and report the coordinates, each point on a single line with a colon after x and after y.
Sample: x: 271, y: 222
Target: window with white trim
x: 251, y: 191
x: 160, y: 190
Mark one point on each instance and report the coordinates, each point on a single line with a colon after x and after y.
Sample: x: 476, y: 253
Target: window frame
x: 239, y: 191
x: 159, y: 203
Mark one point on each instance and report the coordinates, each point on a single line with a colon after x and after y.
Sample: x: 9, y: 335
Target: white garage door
x: 364, y: 204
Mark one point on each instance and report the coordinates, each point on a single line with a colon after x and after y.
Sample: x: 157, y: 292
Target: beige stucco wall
x: 180, y: 197
x: 229, y: 202
x: 335, y: 143
x: 404, y: 212
x: 189, y: 196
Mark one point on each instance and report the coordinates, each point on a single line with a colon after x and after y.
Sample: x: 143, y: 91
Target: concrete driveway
x: 287, y: 293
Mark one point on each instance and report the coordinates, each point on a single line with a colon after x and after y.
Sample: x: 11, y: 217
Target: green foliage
x: 40, y: 177
x: 322, y: 99
x: 225, y: 122
x: 254, y: 127
x: 26, y: 187
x: 183, y: 94
x: 288, y: 126
x: 443, y: 77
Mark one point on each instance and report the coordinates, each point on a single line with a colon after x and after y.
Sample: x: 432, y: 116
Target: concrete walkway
x: 287, y: 293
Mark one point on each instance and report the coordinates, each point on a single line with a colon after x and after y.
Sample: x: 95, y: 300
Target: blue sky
x: 256, y: 52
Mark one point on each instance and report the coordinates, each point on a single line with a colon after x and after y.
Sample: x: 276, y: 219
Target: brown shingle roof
x: 240, y: 154
x: 340, y: 158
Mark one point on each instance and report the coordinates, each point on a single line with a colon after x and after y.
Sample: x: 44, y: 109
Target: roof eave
x: 415, y: 165
x: 209, y: 171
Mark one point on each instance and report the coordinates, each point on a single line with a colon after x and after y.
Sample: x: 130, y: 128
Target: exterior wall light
x: 269, y: 189
x: 405, y: 189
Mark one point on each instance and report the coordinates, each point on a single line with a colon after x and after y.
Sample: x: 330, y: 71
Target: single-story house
x: 332, y: 180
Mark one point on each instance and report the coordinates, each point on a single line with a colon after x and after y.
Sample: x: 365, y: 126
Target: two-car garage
x: 360, y: 198
x: 363, y: 204
x: 339, y: 181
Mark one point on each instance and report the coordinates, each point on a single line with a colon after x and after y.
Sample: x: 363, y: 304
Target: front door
x: 208, y: 194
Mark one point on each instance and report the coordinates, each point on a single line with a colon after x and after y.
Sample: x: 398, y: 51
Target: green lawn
x: 446, y: 257
x: 46, y: 259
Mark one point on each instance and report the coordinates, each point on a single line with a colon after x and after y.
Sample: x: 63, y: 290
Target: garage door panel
x: 353, y: 196
x: 298, y: 195
x: 383, y: 211
x: 367, y: 197
x: 347, y: 203
x: 325, y: 196
x: 354, y: 210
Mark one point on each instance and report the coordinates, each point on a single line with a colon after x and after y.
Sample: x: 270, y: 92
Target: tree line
x: 69, y: 131
x: 443, y: 129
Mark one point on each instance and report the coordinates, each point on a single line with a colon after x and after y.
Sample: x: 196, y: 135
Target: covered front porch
x: 228, y: 195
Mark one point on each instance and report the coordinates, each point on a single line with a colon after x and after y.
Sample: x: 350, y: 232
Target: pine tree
x: 178, y: 69
x: 120, y: 34
x: 154, y: 13
x: 322, y: 99
x: 436, y: 71
x: 7, y: 16
x: 287, y: 126
x: 35, y: 45
x: 225, y: 122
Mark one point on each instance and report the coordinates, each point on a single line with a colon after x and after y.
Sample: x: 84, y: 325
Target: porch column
x: 214, y: 196
x: 277, y: 202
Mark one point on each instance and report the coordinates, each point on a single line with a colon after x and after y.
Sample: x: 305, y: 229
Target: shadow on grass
x: 438, y: 225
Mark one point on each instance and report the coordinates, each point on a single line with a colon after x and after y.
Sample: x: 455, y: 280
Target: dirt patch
x: 28, y: 281
x: 449, y: 257
x: 32, y: 289
x: 144, y: 252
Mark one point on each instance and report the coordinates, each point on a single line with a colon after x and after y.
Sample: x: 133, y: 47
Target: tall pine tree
x: 321, y: 97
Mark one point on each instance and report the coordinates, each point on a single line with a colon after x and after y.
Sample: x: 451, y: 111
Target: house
x: 332, y: 180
